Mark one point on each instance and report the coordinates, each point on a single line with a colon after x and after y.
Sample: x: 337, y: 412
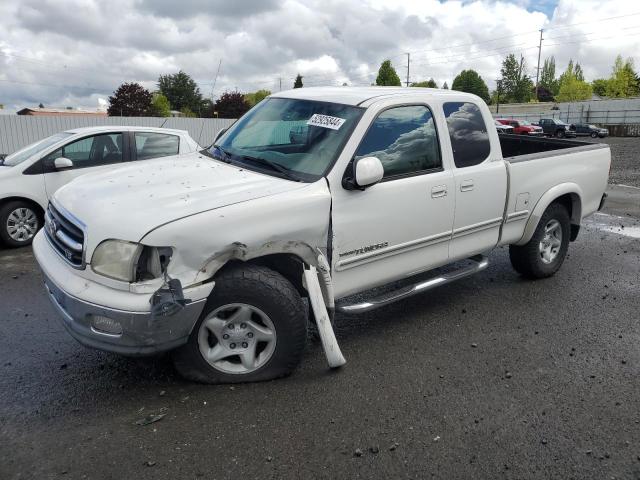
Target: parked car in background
x: 522, y: 127
x: 30, y: 176
x: 501, y: 128
x: 385, y: 185
x: 556, y: 128
x: 591, y: 130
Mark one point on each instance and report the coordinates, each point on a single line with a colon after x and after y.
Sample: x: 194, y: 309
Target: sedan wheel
x: 20, y: 222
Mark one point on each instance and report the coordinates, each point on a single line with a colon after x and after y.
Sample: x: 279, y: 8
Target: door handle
x: 466, y: 186
x: 439, y: 191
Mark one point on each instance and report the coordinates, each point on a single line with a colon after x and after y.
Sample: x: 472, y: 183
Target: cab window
x: 404, y: 139
x: 468, y: 133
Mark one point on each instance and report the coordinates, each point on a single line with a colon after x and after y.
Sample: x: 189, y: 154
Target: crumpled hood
x: 128, y: 202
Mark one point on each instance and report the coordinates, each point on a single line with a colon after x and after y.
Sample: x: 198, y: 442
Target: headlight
x: 128, y: 261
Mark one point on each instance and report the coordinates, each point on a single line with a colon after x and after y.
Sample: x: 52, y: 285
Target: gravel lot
x: 490, y: 377
x: 625, y: 165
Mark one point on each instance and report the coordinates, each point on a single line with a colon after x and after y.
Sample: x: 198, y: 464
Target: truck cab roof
x: 357, y: 96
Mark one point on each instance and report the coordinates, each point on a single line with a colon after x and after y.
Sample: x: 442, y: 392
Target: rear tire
x: 253, y: 328
x: 543, y: 255
x: 594, y: 134
x: 19, y: 223
x: 560, y: 134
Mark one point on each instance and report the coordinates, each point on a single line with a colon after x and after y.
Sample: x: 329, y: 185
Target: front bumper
x: 141, y: 333
x: 535, y: 133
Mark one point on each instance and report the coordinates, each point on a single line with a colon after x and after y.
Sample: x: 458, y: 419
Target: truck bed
x: 537, y: 166
x: 514, y: 146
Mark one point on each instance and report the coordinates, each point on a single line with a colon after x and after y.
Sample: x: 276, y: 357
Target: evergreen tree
x: 445, y: 86
x: 516, y: 85
x: 298, y: 82
x: 469, y: 81
x: 548, y: 78
x: 387, y: 75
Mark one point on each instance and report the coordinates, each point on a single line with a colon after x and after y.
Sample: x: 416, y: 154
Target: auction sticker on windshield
x: 325, y: 121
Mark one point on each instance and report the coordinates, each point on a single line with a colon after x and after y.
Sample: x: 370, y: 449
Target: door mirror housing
x: 366, y: 171
x: 62, y: 163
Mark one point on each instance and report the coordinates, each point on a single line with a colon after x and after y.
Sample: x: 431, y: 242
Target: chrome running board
x: 481, y: 262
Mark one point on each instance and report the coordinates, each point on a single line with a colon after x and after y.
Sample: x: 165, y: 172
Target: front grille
x: 66, y: 237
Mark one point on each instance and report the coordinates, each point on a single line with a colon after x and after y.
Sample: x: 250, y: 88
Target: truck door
x: 480, y: 182
x: 401, y: 225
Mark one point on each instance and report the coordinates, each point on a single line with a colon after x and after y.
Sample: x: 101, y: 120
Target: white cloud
x: 62, y: 52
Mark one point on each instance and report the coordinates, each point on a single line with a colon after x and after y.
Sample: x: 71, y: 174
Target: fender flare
x: 547, y: 199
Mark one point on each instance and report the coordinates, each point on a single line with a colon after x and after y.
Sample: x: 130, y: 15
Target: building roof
x: 58, y: 111
x: 357, y: 95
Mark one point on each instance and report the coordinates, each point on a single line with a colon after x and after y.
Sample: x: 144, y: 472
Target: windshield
x: 296, y: 139
x: 33, y: 149
x: 524, y: 122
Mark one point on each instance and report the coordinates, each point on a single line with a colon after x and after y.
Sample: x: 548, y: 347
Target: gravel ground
x: 625, y: 154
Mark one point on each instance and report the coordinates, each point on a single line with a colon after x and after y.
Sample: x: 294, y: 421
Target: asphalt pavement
x: 491, y: 377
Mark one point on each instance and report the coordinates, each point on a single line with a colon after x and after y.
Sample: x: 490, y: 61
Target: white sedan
x: 30, y: 176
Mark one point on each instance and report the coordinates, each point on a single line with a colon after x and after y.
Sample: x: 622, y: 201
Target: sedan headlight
x: 128, y: 261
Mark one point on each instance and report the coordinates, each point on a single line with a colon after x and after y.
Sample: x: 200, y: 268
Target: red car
x: 522, y: 127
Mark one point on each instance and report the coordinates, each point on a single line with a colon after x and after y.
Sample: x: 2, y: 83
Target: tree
x: 41, y: 105
x: 599, y: 86
x: 578, y: 72
x: 129, y: 100
x: 573, y: 89
x: 231, y: 105
x: 431, y: 83
x: 298, y: 82
x: 516, y: 85
x: 160, y: 106
x: 445, y: 86
x: 544, y: 94
x: 548, y: 78
x: 181, y: 91
x: 469, y: 81
x: 387, y: 75
x: 624, y: 80
x: 256, y: 97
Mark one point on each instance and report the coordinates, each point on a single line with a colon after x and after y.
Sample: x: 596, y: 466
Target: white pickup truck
x: 315, y: 195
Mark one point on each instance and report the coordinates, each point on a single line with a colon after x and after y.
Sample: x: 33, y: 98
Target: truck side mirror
x: 62, y: 163
x: 366, y: 171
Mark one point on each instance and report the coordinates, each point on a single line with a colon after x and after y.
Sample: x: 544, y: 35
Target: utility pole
x: 498, y: 87
x: 408, y: 61
x: 280, y: 82
x: 538, y: 69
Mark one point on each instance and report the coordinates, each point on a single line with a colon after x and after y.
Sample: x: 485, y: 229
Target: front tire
x: 253, y: 328
x: 594, y: 134
x: 543, y: 255
x: 560, y: 134
x: 19, y: 223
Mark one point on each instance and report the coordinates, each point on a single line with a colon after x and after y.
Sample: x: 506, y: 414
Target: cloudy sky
x: 76, y: 52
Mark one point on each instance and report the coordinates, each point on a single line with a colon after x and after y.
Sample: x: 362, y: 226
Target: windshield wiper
x: 284, y: 171
x: 225, y: 157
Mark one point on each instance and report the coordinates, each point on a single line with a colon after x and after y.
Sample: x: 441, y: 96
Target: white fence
x: 17, y: 131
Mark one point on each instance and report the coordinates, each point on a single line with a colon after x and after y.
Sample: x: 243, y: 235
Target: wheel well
x: 287, y: 265
x: 571, y: 201
x: 34, y: 204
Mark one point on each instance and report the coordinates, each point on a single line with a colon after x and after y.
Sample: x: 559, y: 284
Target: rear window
x: 468, y: 133
x: 155, y: 145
